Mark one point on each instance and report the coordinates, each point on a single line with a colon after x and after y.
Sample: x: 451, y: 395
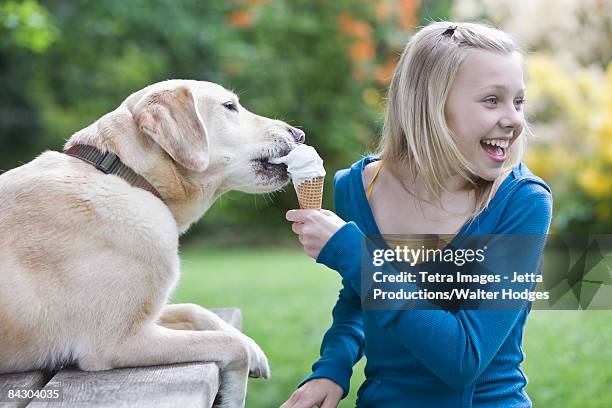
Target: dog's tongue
x: 303, y: 163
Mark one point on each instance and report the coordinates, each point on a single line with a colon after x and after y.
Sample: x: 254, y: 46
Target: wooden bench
x: 176, y: 385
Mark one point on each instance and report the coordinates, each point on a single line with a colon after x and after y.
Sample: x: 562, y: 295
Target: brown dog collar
x: 110, y: 163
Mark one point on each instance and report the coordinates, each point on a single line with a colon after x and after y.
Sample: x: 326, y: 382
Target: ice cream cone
x: 310, y: 193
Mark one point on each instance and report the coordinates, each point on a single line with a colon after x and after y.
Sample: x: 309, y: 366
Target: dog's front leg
x: 188, y: 316
x: 157, y: 345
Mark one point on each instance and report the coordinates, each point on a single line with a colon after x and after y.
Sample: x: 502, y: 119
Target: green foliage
x: 26, y: 24
x: 435, y: 10
x: 26, y: 31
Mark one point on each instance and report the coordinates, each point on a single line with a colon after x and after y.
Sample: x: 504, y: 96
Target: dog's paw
x: 258, y: 362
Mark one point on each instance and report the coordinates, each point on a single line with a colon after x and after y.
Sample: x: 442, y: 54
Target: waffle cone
x: 310, y: 193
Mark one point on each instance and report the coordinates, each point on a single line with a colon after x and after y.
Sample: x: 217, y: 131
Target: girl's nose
x: 512, y: 119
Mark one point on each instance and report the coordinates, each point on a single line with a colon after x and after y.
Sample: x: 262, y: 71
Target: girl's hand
x: 314, y: 228
x: 319, y: 392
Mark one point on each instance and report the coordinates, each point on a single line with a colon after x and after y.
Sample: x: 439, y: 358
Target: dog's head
x: 193, y: 141
x: 204, y: 129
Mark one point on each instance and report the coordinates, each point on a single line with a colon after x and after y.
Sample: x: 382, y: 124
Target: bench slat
x: 176, y: 385
x: 32, y: 380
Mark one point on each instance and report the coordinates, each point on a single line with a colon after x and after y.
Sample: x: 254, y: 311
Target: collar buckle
x: 107, y: 162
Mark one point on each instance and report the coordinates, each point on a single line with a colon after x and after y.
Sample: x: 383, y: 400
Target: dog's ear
x: 171, y: 119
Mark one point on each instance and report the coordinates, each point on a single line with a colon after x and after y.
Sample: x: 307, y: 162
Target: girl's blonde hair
x: 416, y: 134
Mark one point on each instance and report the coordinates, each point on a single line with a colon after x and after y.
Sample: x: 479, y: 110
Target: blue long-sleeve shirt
x: 428, y: 358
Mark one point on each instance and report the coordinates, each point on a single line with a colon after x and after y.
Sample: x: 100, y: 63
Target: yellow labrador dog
x: 89, y: 256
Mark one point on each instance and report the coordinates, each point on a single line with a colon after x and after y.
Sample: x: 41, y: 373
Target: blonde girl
x: 449, y: 164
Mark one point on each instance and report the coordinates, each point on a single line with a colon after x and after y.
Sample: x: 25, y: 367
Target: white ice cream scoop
x: 303, y: 163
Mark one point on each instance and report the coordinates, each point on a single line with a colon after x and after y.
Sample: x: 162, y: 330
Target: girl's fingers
x: 330, y: 402
x: 297, y: 228
x: 296, y: 215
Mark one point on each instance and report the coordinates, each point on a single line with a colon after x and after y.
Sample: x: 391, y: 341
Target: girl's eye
x: 231, y: 106
x: 492, y: 100
x: 520, y: 101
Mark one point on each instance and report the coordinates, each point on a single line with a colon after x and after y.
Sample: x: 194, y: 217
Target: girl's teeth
x: 499, y: 143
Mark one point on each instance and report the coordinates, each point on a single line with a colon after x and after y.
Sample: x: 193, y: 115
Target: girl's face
x: 484, y: 109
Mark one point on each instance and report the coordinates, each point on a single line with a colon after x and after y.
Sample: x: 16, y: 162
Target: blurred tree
x: 574, y: 109
x: 25, y: 32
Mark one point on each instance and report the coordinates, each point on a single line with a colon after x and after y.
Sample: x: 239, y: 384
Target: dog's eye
x: 231, y: 106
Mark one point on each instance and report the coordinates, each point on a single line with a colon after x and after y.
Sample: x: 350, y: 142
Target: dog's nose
x: 298, y: 135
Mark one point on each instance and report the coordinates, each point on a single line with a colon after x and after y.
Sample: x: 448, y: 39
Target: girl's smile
x: 495, y: 148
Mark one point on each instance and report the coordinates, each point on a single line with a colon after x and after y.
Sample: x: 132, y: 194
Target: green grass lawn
x: 286, y: 299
